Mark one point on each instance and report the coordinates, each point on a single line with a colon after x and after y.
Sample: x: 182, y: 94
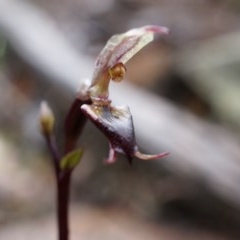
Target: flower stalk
x: 63, y: 195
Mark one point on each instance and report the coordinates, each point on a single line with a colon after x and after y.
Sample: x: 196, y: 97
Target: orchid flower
x: 114, y: 121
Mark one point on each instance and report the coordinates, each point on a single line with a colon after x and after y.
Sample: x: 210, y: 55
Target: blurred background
x: 183, y: 90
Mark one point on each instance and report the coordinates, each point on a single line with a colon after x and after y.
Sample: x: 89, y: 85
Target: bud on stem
x: 46, y: 119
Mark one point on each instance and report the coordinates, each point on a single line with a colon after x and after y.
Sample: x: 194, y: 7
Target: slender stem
x: 63, y: 185
x: 63, y: 179
x: 73, y: 127
x: 51, y: 143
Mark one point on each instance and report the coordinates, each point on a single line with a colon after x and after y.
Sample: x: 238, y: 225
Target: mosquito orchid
x: 93, y: 98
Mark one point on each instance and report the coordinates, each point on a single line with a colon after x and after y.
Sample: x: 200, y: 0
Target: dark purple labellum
x: 116, y: 123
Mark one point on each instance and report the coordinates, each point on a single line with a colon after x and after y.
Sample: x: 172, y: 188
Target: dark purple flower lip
x: 117, y: 125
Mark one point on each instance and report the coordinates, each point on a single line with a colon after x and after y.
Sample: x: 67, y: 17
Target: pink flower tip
x: 156, y: 29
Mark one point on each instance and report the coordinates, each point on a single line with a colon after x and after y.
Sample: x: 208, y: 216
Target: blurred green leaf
x: 71, y: 160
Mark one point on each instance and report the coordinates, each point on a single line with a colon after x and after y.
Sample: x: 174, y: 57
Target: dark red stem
x: 73, y: 127
x: 63, y: 185
x: 52, y: 146
x: 63, y: 179
x: 74, y: 124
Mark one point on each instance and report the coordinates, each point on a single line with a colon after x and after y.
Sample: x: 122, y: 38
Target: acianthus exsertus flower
x: 115, y: 121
